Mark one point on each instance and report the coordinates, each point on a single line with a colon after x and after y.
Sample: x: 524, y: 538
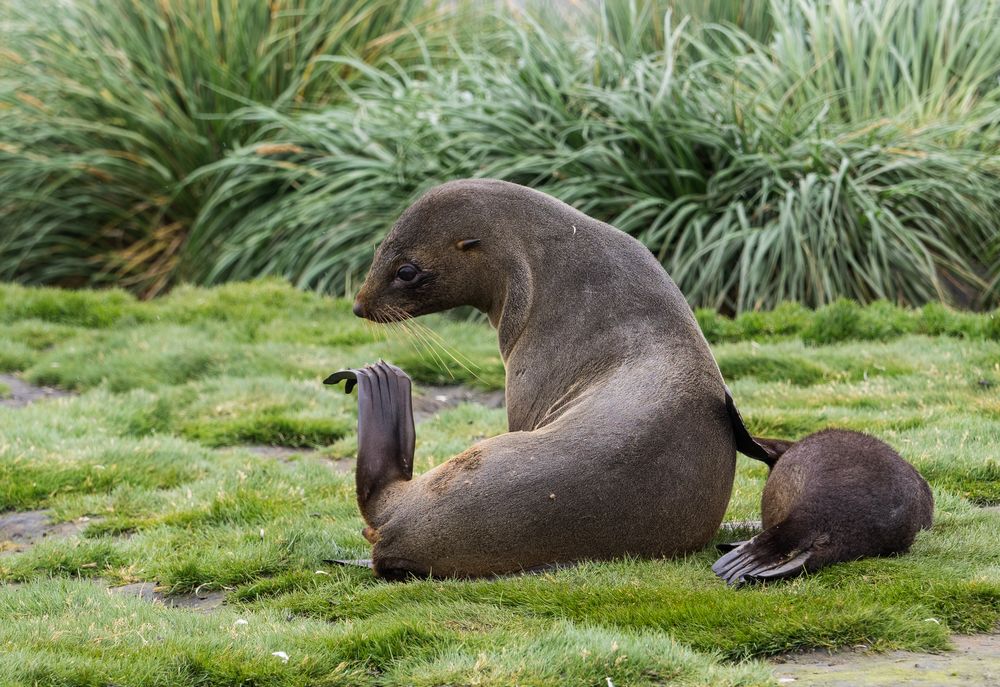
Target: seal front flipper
x: 386, y: 435
x: 745, y: 443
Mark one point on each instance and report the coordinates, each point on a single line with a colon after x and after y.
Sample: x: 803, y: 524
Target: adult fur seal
x: 621, y: 437
x: 834, y: 496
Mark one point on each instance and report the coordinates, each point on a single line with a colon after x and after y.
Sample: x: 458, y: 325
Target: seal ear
x: 466, y: 244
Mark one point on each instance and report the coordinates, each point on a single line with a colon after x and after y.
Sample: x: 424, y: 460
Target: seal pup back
x: 834, y: 496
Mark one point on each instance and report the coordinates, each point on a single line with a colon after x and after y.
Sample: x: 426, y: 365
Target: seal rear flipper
x: 767, y: 556
x: 745, y: 443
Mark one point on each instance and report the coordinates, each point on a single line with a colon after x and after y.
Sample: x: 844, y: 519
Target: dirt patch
x: 975, y: 661
x: 434, y: 399
x: 22, y: 393
x: 430, y: 401
x: 22, y: 530
x: 747, y: 527
x: 344, y: 466
x: 286, y: 454
x: 469, y: 459
x: 203, y: 602
x: 282, y: 453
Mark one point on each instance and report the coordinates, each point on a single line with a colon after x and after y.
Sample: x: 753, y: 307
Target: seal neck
x: 511, y: 307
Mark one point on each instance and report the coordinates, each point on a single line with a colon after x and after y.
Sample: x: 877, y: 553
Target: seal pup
x: 834, y: 496
x: 620, y: 441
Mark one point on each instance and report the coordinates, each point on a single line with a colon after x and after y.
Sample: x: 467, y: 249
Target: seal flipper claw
x: 350, y: 376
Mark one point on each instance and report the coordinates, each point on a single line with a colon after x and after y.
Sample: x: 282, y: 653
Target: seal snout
x: 358, y: 309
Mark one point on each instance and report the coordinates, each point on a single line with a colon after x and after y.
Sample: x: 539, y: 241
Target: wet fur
x: 831, y: 497
x: 620, y: 441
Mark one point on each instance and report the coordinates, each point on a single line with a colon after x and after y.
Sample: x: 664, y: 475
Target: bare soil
x: 433, y: 399
x: 974, y: 661
x: 22, y: 393
x: 203, y: 602
x: 22, y: 530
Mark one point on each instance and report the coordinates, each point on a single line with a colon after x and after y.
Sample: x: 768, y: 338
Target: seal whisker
x: 419, y: 332
x: 434, y: 342
x: 400, y: 322
x: 454, y: 354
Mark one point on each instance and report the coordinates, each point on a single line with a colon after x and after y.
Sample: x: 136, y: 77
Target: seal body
x: 619, y: 443
x: 834, y: 496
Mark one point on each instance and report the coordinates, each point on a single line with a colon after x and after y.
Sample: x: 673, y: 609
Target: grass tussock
x: 845, y: 320
x: 765, y: 152
x: 153, y: 458
x: 757, y: 172
x: 108, y: 110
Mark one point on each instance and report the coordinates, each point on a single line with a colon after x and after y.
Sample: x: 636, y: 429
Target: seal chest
x: 834, y: 496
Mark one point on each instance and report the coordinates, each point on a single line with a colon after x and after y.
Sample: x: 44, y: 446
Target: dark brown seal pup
x: 619, y: 437
x: 834, y: 496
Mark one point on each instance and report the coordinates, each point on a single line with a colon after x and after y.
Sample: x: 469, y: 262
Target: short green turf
x: 155, y: 451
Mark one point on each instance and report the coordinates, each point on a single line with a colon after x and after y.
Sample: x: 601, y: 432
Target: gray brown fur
x: 834, y: 496
x: 619, y: 439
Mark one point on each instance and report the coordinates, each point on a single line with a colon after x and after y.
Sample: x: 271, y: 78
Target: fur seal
x: 621, y: 432
x: 834, y: 496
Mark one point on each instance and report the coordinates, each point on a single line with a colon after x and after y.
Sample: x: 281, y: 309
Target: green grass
x: 151, y: 451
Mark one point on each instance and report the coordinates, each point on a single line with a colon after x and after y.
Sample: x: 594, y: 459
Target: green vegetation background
x: 799, y: 150
x: 172, y: 391
x: 796, y: 151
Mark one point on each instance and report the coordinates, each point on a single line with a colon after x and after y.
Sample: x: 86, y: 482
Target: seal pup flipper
x: 769, y: 555
x: 745, y: 443
x: 386, y: 435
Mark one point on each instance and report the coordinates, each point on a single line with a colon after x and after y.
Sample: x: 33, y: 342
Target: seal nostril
x: 358, y: 309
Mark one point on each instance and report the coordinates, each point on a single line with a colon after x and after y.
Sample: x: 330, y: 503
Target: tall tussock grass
x: 107, y: 107
x: 800, y: 150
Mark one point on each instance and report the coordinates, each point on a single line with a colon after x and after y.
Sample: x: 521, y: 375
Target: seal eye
x: 407, y: 273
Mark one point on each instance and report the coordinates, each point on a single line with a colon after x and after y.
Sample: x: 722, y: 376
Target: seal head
x: 434, y: 259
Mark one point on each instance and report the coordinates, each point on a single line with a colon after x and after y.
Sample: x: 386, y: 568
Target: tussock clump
x: 772, y: 368
x: 757, y: 172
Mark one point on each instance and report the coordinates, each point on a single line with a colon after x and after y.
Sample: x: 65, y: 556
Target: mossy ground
x: 151, y: 451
